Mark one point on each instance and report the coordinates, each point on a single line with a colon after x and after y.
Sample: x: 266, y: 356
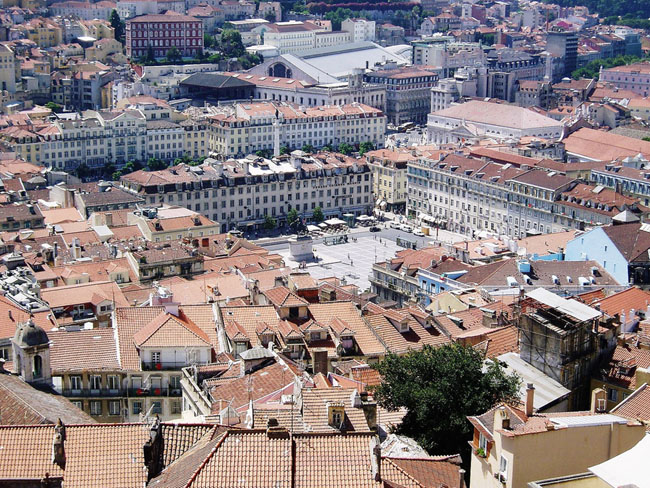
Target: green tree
x: 209, y: 41
x: 173, y: 55
x: 156, y: 164
x: 214, y: 58
x: 365, y: 147
x: 440, y: 387
x: 270, y: 16
x: 318, y: 215
x: 118, y: 25
x: 308, y: 148
x: 264, y: 153
x: 269, y: 222
x: 54, y: 107
x: 131, y: 166
x: 82, y: 171
x: 285, y: 150
x: 293, y: 218
x: 345, y: 148
x: 231, y: 44
x: 647, y: 139
x: 116, y: 175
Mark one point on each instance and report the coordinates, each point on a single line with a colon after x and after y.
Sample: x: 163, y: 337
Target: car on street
x: 375, y: 228
x: 406, y: 228
x: 395, y: 225
x: 418, y: 233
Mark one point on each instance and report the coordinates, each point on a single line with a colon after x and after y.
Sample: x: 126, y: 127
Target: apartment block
x: 240, y: 193
x: 157, y: 34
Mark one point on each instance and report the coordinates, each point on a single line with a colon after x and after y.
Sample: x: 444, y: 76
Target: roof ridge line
x: 206, y: 460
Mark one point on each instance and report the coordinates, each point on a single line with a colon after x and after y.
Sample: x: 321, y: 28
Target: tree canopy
x: 318, y: 215
x: 269, y: 222
x: 231, y: 44
x: 118, y: 25
x: 440, y: 387
x: 591, y: 70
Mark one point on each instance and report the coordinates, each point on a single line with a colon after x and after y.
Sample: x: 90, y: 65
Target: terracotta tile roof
x: 107, y: 455
x: 281, y: 296
x: 604, y: 146
x: 93, y: 292
x: 248, y: 318
x: 325, y: 461
x: 630, y: 241
x: 314, y: 409
x: 97, y: 271
x: 167, y: 330
x: 366, y: 375
x: 636, y: 406
x: 12, y: 314
x: 129, y: 320
x: 501, y: 341
x: 260, y: 383
x: 83, y: 350
x: 177, y: 474
x: 368, y: 342
x: 632, y: 298
x: 419, y: 472
x: 400, y: 342
x: 22, y: 404
x: 621, y: 368
x: 472, y: 319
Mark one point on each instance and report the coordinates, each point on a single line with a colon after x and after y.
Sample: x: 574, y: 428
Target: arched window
x: 38, y: 367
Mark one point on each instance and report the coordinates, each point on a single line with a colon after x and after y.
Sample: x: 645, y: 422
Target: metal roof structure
x: 573, y: 308
x: 548, y: 392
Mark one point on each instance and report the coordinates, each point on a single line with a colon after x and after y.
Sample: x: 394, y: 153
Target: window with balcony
x: 95, y: 382
x: 155, y: 357
x: 113, y: 382
x: 157, y: 407
x: 75, y: 383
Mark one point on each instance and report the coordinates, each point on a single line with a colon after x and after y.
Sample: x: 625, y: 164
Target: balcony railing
x: 155, y: 392
x: 163, y: 365
x: 89, y: 392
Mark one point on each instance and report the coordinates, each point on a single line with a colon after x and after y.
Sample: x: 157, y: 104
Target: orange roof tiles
x: 83, y: 350
x: 368, y: 342
x: 632, y: 298
x: 636, y: 406
x: 107, y: 455
x: 93, y: 292
x: 314, y: 409
x: 248, y: 318
x: 22, y: 404
x: 167, y: 330
x: 281, y: 296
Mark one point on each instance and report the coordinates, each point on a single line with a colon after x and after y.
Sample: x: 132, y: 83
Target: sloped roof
x: 631, y: 241
x: 22, y: 404
x: 169, y: 330
x: 107, y: 455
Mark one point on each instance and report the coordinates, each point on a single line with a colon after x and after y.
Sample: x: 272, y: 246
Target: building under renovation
x: 565, y: 339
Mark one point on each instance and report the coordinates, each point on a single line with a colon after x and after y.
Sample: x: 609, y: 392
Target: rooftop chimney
x: 153, y: 450
x: 58, y: 445
x: 598, y: 401
x: 530, y: 397
x: 275, y: 431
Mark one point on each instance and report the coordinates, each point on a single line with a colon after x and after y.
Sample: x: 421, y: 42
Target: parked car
x: 418, y: 232
x: 395, y: 225
x: 375, y: 228
x: 406, y: 228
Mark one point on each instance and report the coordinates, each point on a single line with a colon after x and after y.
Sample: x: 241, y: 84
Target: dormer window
x: 404, y: 327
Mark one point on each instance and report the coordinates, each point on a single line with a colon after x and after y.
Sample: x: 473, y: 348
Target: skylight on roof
x: 275, y: 80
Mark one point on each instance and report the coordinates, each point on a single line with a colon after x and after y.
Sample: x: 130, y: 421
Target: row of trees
x: 592, y: 69
x: 294, y: 220
x: 343, y: 148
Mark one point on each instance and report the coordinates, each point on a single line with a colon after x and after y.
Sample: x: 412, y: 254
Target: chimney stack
x: 153, y: 450
x: 598, y: 401
x: 377, y: 458
x: 58, y: 445
x: 461, y: 481
x: 530, y: 397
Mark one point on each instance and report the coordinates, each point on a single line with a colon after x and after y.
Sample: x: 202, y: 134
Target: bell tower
x: 31, y: 353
